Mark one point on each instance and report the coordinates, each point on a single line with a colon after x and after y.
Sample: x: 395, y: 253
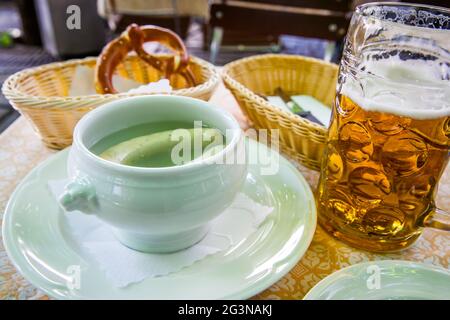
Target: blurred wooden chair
x: 261, y: 22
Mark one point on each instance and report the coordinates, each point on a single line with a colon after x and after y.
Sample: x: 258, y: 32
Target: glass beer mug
x: 388, y: 141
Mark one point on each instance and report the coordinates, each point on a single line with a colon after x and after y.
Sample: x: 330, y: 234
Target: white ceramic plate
x: 384, y: 280
x: 37, y: 241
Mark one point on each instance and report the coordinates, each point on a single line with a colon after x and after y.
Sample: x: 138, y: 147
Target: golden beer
x: 379, y: 181
x: 388, y: 140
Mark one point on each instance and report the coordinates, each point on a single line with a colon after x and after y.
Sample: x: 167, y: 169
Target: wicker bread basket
x: 41, y: 94
x: 299, y: 138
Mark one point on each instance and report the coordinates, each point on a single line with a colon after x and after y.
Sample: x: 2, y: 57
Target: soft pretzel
x: 133, y: 38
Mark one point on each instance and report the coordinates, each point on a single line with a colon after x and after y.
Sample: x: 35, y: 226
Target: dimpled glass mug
x: 388, y: 140
x: 158, y: 209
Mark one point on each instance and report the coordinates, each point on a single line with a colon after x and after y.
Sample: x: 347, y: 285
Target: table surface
x: 21, y: 150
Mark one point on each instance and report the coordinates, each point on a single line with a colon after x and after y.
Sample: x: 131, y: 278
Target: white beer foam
x: 419, y: 89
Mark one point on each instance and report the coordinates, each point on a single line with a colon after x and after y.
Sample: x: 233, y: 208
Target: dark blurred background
x: 36, y: 32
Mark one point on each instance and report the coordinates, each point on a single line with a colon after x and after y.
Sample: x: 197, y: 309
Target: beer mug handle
x: 438, y: 219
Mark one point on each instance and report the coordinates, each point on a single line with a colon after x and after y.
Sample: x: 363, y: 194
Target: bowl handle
x: 79, y: 194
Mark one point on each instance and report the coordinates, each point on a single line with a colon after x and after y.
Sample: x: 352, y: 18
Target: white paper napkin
x: 124, y: 266
x: 83, y: 83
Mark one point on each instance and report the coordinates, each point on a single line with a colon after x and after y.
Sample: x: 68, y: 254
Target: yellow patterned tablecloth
x: 21, y: 150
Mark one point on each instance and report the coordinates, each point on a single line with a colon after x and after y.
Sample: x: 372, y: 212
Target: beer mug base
x: 366, y: 241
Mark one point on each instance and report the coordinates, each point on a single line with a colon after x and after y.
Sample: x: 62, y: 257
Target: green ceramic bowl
x: 153, y: 209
